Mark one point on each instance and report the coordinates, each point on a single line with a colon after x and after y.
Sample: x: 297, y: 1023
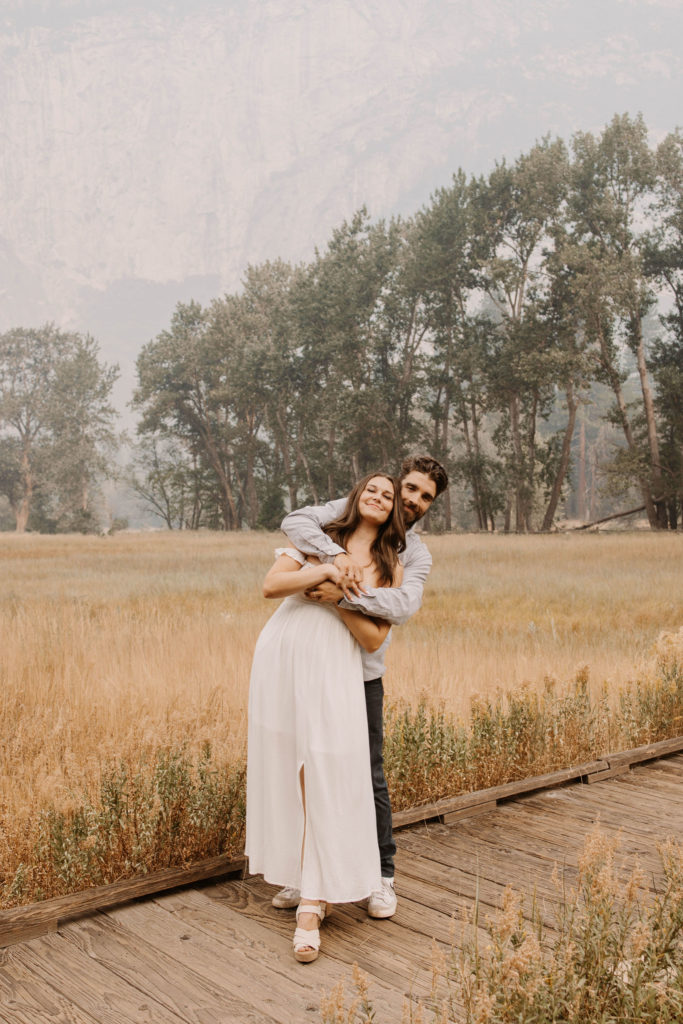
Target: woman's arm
x: 286, y: 577
x: 398, y: 603
x: 370, y: 633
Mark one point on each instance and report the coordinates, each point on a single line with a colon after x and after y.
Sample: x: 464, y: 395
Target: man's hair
x: 427, y: 465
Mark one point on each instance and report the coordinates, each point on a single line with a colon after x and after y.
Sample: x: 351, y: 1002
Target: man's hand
x: 326, y: 592
x: 352, y: 575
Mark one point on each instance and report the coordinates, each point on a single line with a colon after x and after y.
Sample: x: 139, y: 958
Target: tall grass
x: 124, y: 668
x: 614, y: 953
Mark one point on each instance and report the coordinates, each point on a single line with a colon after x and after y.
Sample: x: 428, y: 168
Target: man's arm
x: 304, y: 529
x: 397, y: 604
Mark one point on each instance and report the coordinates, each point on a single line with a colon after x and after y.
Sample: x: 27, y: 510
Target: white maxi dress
x: 307, y: 710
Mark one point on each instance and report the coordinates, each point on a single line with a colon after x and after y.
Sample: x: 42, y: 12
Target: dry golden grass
x: 114, y: 646
x: 118, y: 649
x: 501, y: 612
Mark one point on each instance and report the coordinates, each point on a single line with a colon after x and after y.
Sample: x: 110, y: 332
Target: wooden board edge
x: 18, y: 924
x: 649, y: 752
x: 609, y: 773
x: 451, y: 805
x: 593, y: 771
x: 469, y: 812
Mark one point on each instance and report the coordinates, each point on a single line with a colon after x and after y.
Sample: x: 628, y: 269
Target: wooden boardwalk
x: 218, y: 953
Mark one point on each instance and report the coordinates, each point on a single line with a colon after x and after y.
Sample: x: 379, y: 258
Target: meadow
x: 124, y: 669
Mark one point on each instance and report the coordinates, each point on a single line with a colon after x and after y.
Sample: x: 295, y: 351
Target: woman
x: 310, y: 807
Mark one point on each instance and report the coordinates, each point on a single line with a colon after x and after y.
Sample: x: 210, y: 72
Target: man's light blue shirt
x: 394, y: 604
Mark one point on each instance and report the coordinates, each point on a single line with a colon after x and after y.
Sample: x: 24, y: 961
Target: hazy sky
x: 153, y: 149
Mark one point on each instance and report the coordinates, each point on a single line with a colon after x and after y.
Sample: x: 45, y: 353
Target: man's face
x: 417, y: 494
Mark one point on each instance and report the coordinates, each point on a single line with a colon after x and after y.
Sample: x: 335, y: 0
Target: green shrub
x: 175, y: 809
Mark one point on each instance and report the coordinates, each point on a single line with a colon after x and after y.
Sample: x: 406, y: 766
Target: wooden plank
x: 533, y: 837
x: 670, y: 768
x: 265, y: 949
x: 228, y: 954
x: 630, y: 844
x: 223, y: 954
x: 623, y: 789
x: 495, y: 794
x: 21, y: 923
x: 646, y: 753
x: 608, y: 773
x: 657, y: 784
x: 465, y: 887
x: 611, y: 805
x: 466, y: 867
x: 419, y: 888
x: 489, y: 872
x: 546, y: 826
x: 24, y: 930
x: 643, y: 806
x: 90, y: 986
x: 468, y: 812
x: 27, y: 1000
x: 168, y: 979
x: 351, y: 937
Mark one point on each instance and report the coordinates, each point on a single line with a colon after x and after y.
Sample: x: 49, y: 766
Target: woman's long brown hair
x: 391, y: 535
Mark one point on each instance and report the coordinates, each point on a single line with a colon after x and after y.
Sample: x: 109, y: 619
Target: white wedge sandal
x: 307, y: 940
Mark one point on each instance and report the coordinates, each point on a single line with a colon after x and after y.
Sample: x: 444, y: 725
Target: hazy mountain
x: 151, y: 150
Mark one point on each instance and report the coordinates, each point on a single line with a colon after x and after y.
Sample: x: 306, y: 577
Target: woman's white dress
x: 307, y: 710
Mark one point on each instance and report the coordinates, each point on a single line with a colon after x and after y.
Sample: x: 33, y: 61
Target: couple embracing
x: 318, y: 810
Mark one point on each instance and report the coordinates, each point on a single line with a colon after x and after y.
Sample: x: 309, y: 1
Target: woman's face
x: 376, y: 500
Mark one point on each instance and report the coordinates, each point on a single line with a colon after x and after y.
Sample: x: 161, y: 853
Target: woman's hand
x: 334, y: 573
x: 352, y: 575
x: 330, y: 590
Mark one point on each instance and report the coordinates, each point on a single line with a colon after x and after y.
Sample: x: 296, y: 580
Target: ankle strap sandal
x: 307, y: 940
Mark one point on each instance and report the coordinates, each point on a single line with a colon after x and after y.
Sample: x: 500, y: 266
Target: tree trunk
x: 21, y: 515
x: 252, y: 499
x: 444, y: 445
x: 628, y: 432
x: 23, y: 508
x: 447, y: 510
x: 519, y: 481
x: 483, y: 509
x: 227, y: 498
x: 196, y: 500
x: 330, y: 471
x: 283, y: 445
x: 652, y: 439
x: 581, y: 502
x: 471, y: 460
x: 572, y: 406
x: 309, y: 477
x: 594, y: 489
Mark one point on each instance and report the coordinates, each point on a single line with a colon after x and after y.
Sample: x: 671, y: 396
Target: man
x: 422, y: 480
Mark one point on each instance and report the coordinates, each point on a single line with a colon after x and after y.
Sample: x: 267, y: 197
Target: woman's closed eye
x: 387, y: 495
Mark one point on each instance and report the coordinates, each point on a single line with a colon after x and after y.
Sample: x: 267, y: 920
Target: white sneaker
x: 286, y: 898
x: 382, y: 902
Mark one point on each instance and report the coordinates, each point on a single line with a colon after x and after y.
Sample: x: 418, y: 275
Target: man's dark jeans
x: 374, y: 699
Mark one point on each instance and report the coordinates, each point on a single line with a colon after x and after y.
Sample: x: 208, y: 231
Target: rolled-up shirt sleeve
x: 304, y: 529
x: 397, y: 604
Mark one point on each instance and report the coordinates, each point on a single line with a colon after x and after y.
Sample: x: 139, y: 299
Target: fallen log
x: 606, y: 519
